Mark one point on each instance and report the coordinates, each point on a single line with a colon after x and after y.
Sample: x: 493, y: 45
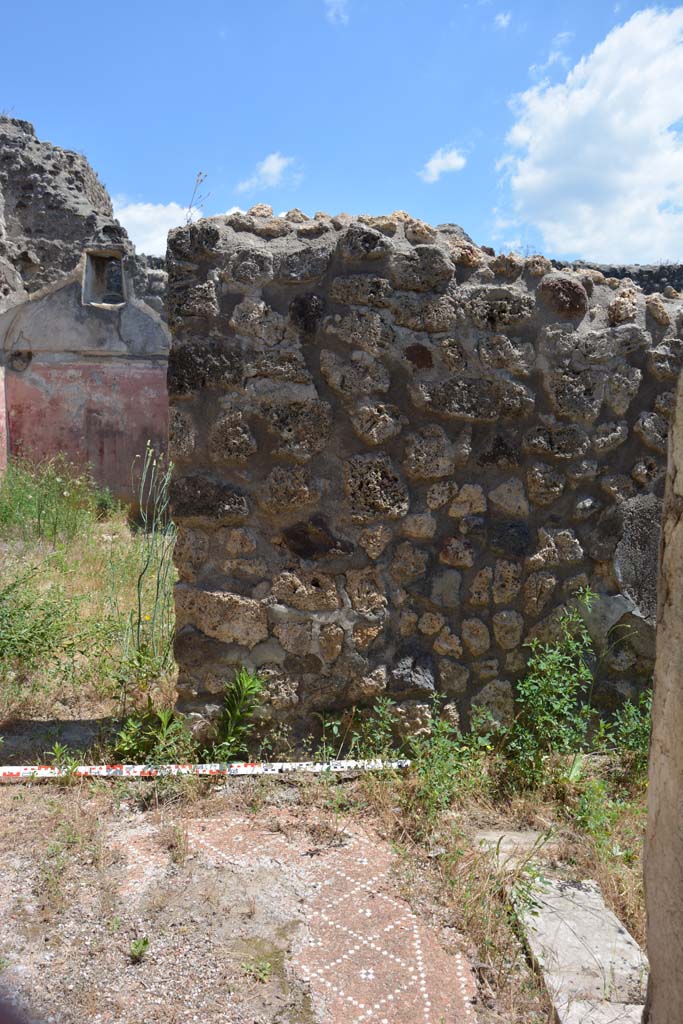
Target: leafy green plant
x: 34, y: 623
x: 242, y: 697
x: 155, y: 736
x: 138, y: 949
x: 446, y: 763
x: 553, y: 700
x: 631, y: 730
x: 62, y: 756
x: 594, y: 810
x: 374, y: 734
x: 259, y: 970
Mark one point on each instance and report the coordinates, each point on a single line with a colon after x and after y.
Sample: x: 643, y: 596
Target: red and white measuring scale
x: 18, y: 773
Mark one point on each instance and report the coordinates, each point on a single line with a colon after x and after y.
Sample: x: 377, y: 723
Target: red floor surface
x: 368, y: 958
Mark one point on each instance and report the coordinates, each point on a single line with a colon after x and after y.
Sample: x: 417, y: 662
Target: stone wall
x: 51, y: 204
x: 398, y: 456
x: 651, y: 277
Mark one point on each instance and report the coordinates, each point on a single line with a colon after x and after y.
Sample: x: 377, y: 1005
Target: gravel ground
x: 256, y: 906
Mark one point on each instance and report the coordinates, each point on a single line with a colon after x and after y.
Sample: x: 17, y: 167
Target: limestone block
x: 359, y: 243
x: 622, y: 386
x: 365, y: 634
x: 624, y: 306
x: 509, y: 499
x: 557, y: 547
x: 360, y: 375
x: 508, y: 628
x: 366, y: 591
x: 507, y: 581
x: 486, y: 669
x: 190, y: 552
x: 665, y: 361
x: 564, y: 295
x: 544, y: 484
x: 373, y: 488
x: 474, y: 399
x: 480, y: 588
x: 608, y: 436
x: 224, y: 616
x: 656, y: 308
x: 287, y: 490
x: 306, y: 591
x: 362, y: 329
x: 235, y: 541
x: 470, y: 501
x: 576, y: 394
x: 457, y: 553
x: 475, y: 636
x: 537, y: 591
x: 374, y: 539
x: 430, y: 623
x: 330, y: 641
x: 423, y: 268
x: 294, y: 636
x: 497, y: 351
x: 375, y: 422
x: 496, y: 698
x: 409, y: 563
x: 653, y: 430
x: 448, y: 643
x: 429, y: 454
x: 303, y: 428
x: 493, y: 307
x: 230, y: 440
x: 361, y: 290
x: 407, y: 623
x: 453, y: 677
x: 441, y: 493
x: 182, y: 433
x: 557, y: 441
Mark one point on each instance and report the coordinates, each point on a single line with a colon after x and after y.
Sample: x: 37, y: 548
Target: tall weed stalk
x: 148, y: 642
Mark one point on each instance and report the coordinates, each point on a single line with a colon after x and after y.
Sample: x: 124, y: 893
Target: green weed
x: 138, y: 949
x: 236, y: 729
x: 52, y: 500
x: 258, y: 970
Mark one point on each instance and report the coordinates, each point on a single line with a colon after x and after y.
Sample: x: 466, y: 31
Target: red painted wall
x: 99, y: 415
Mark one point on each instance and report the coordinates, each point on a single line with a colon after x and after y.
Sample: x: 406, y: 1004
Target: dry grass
x: 69, y: 647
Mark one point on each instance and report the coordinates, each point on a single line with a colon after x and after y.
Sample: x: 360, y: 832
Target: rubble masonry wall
x: 398, y: 456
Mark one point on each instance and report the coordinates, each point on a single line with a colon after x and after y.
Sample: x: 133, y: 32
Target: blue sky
x: 535, y: 125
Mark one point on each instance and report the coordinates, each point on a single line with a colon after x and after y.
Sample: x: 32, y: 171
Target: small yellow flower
x: 147, y: 618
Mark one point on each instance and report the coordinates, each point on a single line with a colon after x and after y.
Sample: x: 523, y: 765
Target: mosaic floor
x: 367, y: 958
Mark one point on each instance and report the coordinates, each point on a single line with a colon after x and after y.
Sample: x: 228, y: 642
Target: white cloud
x: 149, y: 223
x: 503, y: 19
x: 442, y: 162
x: 337, y: 11
x: 596, y: 162
x: 269, y: 173
x: 555, y: 56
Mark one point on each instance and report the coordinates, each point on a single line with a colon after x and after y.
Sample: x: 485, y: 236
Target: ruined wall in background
x: 398, y: 456
x: 51, y: 204
x: 86, y: 381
